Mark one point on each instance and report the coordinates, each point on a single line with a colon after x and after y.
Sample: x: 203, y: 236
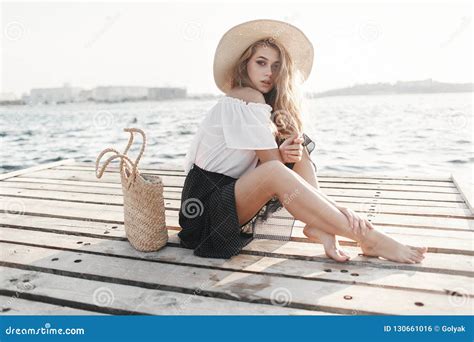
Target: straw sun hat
x: 234, y: 42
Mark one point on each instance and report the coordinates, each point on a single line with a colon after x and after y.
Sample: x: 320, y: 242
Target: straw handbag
x: 143, y: 203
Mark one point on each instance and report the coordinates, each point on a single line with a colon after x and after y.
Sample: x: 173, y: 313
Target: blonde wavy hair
x: 285, y: 97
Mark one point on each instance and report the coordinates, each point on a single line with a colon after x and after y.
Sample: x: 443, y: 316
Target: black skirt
x: 208, y: 214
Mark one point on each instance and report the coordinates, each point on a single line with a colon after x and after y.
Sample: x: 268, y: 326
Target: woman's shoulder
x: 247, y: 94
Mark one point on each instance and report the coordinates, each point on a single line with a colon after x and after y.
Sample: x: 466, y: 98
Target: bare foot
x: 330, y: 243
x: 390, y: 249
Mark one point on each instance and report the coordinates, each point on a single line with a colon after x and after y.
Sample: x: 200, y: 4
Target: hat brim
x: 234, y: 42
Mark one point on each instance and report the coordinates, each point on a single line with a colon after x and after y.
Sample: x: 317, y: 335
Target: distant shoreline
x: 317, y: 96
x: 211, y: 97
x: 399, y: 88
x: 413, y: 87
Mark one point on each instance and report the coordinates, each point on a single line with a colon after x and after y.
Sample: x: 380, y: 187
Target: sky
x: 153, y: 44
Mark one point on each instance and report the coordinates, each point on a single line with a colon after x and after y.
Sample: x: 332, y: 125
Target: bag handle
x: 130, y: 142
x: 124, y: 159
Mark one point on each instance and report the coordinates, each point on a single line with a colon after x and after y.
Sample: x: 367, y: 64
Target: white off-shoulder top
x: 228, y: 136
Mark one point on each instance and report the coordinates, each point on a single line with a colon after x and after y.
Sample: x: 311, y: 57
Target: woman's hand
x: 358, y: 224
x: 291, y: 150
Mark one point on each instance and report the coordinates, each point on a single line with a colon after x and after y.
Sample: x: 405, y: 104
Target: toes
x: 421, y: 257
x: 344, y: 253
x: 341, y: 256
x: 419, y: 254
x: 336, y: 255
x: 417, y: 258
x: 421, y: 250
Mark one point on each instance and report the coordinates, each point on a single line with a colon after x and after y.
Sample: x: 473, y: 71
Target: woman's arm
x: 266, y: 155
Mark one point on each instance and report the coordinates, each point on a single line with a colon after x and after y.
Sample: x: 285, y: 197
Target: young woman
x: 250, y: 151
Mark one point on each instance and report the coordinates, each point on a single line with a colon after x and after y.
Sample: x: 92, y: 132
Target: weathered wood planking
x: 114, y: 298
x: 447, y: 193
x: 459, y: 242
x: 340, y: 175
x: 435, y: 262
x: 35, y: 168
x: 361, y: 274
x: 356, y: 196
x: 327, y: 181
x: 465, y: 186
x: 13, y: 304
x: 233, y: 285
x: 63, y: 211
x: 64, y: 193
x: 114, y: 213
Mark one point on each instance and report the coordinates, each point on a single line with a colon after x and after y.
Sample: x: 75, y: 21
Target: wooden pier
x: 63, y: 252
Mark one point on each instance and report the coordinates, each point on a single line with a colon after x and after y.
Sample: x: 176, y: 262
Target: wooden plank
x: 434, y: 262
x: 66, y: 226
x: 14, y: 305
x: 437, y: 241
x: 115, y: 298
x: 174, y: 167
x: 464, y: 186
x: 444, y: 182
x: 442, y: 241
x: 174, y: 181
x: 34, y: 168
x: 175, y: 204
x: 253, y: 264
x: 175, y: 192
x: 239, y: 286
x: 323, y: 181
x: 339, y: 175
x: 455, y: 243
x: 113, y: 213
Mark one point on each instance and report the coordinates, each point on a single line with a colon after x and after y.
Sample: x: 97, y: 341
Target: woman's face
x: 263, y: 67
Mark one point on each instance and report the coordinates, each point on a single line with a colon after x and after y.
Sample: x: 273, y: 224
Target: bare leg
x: 273, y: 178
x: 331, y: 246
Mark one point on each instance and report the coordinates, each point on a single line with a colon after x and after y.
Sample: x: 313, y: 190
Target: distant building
x: 166, y: 93
x: 119, y: 93
x: 85, y: 95
x: 68, y: 94
x: 54, y: 95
